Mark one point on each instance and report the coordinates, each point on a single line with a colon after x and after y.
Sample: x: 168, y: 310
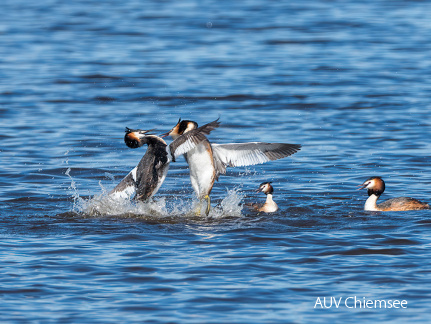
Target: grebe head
x: 135, y: 138
x: 266, y: 188
x: 183, y: 126
x: 375, y: 185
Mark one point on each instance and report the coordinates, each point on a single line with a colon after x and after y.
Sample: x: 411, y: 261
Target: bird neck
x: 155, y: 141
x: 371, y: 203
x: 269, y: 197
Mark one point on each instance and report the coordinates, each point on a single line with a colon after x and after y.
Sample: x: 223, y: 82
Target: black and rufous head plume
x: 183, y: 126
x: 375, y: 186
x: 186, y: 125
x: 134, y: 137
x: 266, y: 188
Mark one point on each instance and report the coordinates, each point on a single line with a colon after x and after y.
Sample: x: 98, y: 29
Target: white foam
x: 104, y: 204
x: 230, y: 206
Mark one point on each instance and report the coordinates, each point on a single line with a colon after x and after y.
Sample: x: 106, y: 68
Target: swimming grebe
x: 376, y: 186
x: 147, y: 177
x: 208, y: 160
x: 269, y: 206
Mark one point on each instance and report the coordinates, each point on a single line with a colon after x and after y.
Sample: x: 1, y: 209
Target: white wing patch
x: 133, y: 173
x: 126, y: 193
x: 239, y: 154
x: 243, y: 154
x: 190, y: 139
x: 127, y: 187
x: 184, y: 147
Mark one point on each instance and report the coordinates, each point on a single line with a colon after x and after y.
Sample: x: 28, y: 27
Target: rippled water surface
x: 349, y: 80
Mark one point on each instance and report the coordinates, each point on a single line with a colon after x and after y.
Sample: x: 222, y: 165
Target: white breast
x: 201, y: 170
x: 270, y: 206
x: 371, y: 203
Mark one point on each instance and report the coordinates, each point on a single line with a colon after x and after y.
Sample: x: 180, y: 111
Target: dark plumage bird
x: 146, y: 178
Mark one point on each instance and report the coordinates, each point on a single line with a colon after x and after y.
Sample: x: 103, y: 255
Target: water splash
x: 72, y: 187
x: 104, y: 204
x: 231, y: 205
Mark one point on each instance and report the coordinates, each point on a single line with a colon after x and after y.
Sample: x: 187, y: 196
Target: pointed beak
x: 164, y: 134
x: 140, y: 131
x: 362, y: 186
x: 258, y: 190
x: 148, y: 131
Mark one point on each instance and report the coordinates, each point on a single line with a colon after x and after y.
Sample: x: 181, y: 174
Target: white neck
x: 371, y: 203
x: 270, y: 204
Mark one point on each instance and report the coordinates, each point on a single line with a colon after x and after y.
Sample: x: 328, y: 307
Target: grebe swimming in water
x: 208, y: 160
x: 376, y: 186
x: 147, y: 177
x: 269, y: 206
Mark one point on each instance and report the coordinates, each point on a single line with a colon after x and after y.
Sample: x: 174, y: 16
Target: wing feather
x: 127, y: 187
x: 189, y: 140
x: 243, y: 154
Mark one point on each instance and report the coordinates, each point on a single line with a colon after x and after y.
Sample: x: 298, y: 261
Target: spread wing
x: 243, y: 154
x: 127, y: 187
x: 189, y: 140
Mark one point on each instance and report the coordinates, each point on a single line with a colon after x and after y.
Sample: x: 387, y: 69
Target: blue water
x: 349, y: 80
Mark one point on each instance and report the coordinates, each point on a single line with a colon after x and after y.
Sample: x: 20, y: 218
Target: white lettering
x: 327, y: 304
x: 380, y: 303
x: 359, y: 302
x: 324, y: 302
x: 345, y: 302
x: 339, y: 301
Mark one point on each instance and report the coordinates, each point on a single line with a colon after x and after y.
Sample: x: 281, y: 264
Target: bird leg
x: 199, y: 208
x: 208, y: 199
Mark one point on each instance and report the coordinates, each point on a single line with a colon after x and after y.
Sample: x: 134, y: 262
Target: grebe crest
x: 183, y: 126
x: 266, y: 188
x: 135, y: 138
x: 270, y: 205
x: 376, y: 186
x: 146, y: 178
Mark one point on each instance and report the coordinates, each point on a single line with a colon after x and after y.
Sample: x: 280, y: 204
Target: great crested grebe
x: 269, y: 206
x: 146, y: 178
x: 208, y: 160
x: 376, y: 186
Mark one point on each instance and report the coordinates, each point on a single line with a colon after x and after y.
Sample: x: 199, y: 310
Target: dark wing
x: 189, y: 140
x: 403, y: 203
x: 243, y: 154
x: 127, y: 187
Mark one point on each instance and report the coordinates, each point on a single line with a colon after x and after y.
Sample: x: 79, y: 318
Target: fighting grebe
x: 147, y: 177
x: 208, y: 160
x: 269, y: 206
x: 376, y: 186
